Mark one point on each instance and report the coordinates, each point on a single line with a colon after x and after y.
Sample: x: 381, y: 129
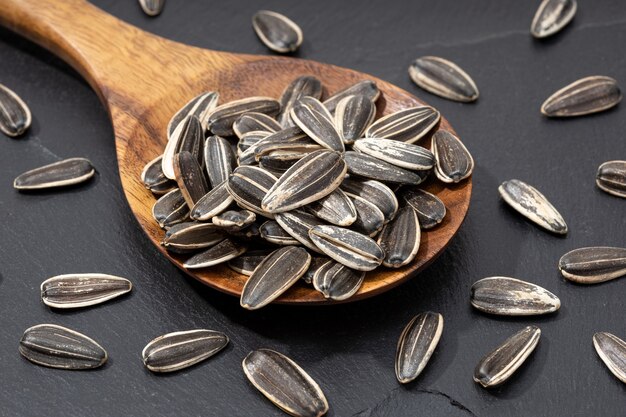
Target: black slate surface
x: 349, y: 349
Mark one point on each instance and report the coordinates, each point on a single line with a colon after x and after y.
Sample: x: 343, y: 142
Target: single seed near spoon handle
x: 417, y: 344
x: 277, y: 32
x: 59, y: 174
x: 15, y: 116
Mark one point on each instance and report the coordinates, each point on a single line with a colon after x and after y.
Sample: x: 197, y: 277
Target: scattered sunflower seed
x: 234, y: 219
x: 365, y: 88
x: 152, y: 7
x: 353, y: 115
x: 219, y: 159
x: 59, y: 174
x: 255, y: 122
x: 274, y: 233
x: 512, y: 297
x: 417, y: 344
x: 193, y: 236
x: 81, y: 290
x: 298, y: 223
x: 552, y: 16
x: 170, y: 209
x: 454, y: 163
x: 199, y: 106
x: 347, y: 247
x: 336, y: 208
x: 190, y: 178
x: 224, y: 251
x: 408, y: 125
x: 612, y: 351
x: 188, y: 137
x: 310, y: 115
x: 277, y: 32
x: 401, y: 154
x: 443, y: 78
x: 374, y: 192
x: 336, y: 281
x: 370, y: 220
x: 305, y: 86
x: 221, y: 119
x: 248, y: 186
x: 611, y: 178
x: 154, y: 179
x: 246, y: 264
x: 593, y: 265
x: 585, y: 96
x: 15, y: 116
x: 212, y: 203
x: 429, y: 208
x: 400, y: 238
x: 366, y: 166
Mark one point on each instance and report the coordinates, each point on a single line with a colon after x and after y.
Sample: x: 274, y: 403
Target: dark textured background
x: 348, y: 349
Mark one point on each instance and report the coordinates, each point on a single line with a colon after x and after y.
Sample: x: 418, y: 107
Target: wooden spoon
x: 143, y: 80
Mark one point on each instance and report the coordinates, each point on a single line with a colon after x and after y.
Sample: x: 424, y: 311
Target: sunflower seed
x: 417, y: 344
x: 248, y: 185
x: 212, y: 203
x: 305, y: 86
x: 370, y: 220
x: 400, y: 238
x: 365, y: 88
x: 59, y: 347
x: 277, y: 32
x: 311, y: 178
x: 255, y: 122
x: 282, y: 160
x: 336, y: 208
x: 353, y: 115
x: 298, y: 223
x: 224, y: 251
x: 15, y: 116
x: 585, y: 96
x: 59, y: 174
x: 498, y: 365
x: 170, y: 209
x: 593, y: 265
x: 82, y: 290
x: 199, y: 106
x: 234, y: 219
x: 219, y: 159
x: 367, y: 166
x: 429, y: 208
x: 402, y: 154
x: 179, y: 350
x: 153, y: 178
x: 193, y: 236
x: 336, y: 281
x: 374, y: 192
x: 302, y: 147
x: 443, y: 78
x: 274, y: 233
x: 310, y: 115
x: 274, y: 275
x: 246, y: 264
x: 247, y: 233
x: 250, y: 139
x: 152, y: 7
x: 408, y: 125
x: 552, y: 16
x: 611, y: 177
x: 612, y: 351
x: 190, y: 178
x: 512, y: 297
x: 221, y: 119
x: 531, y: 204
x: 454, y: 163
x: 347, y: 247
x: 316, y: 263
x: 188, y: 137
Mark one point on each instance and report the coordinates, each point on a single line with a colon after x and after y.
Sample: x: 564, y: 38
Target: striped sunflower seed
x: 498, y: 365
x: 82, y: 290
x: 199, y: 106
x: 315, y: 176
x: 274, y: 275
x: 59, y: 174
x: 316, y: 263
x: 221, y: 119
x: 443, y: 78
x: 454, y: 163
x: 366, y: 166
x: 180, y: 350
x: 417, y: 344
x: 612, y: 351
x: 188, y: 137
x: 250, y: 139
x: 212, y: 203
x: 246, y: 264
x: 224, y: 251
x: 370, y: 220
x: 336, y: 281
x: 193, y: 236
x: 152, y: 7
x: 347, y: 247
x: 247, y: 233
x: 593, y: 265
x: 408, y: 125
x: 611, y: 177
x: 285, y: 383
x: 277, y: 32
x: 374, y: 192
x: 402, y: 154
x: 274, y: 233
x: 533, y: 205
x: 248, y: 186
x: 353, y: 115
x: 255, y: 122
x: 552, y: 16
x: 585, y: 96
x: 219, y: 159
x: 305, y: 86
x: 336, y: 208
x: 15, y: 116
x: 234, y: 219
x: 512, y: 297
x: 400, y: 238
x: 298, y: 223
x: 302, y: 147
x: 154, y: 179
x: 310, y: 115
x: 367, y: 88
x: 282, y: 160
x: 190, y: 178
x: 170, y: 209
x: 429, y: 208
x: 59, y: 347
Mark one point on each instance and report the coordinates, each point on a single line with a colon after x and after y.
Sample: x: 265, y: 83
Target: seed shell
x: 221, y: 119
x: 443, y: 78
x: 15, y: 116
x: 374, y: 192
x: 255, y: 122
x: 212, y: 203
x: 367, y: 166
x: 152, y: 7
x: 612, y: 351
x: 170, y: 209
x: 367, y: 88
x: 611, y: 177
x: 249, y: 185
x: 59, y: 174
x: 188, y: 137
x: 454, y: 163
x: 305, y: 86
x: 370, y: 220
x: 59, y: 347
x: 250, y: 139
x: 336, y: 281
x: 347, y: 247
x: 298, y: 223
x: 193, y: 236
x: 401, y: 154
x: 400, y: 238
x: 246, y: 264
x: 336, y: 208
x: 277, y: 31
x: 593, y: 265
x: 408, y: 125
x: 154, y: 179
x: 224, y: 251
x: 274, y: 233
x: 219, y: 159
x: 512, y: 297
x: 585, y: 96
x: 353, y: 115
x: 552, y: 16
x: 199, y: 106
x: 285, y: 383
x: 179, y: 350
x: 234, y: 219
x: 429, y: 208
x: 81, y: 290
x: 310, y: 115
x: 189, y: 177
x: 417, y: 344
x: 316, y: 263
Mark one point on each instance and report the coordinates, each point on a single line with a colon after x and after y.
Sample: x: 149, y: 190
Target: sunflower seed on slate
x: 429, y: 208
x: 199, y: 106
x: 59, y: 174
x: 221, y: 119
x: 193, y: 236
x: 298, y: 223
x: 443, y: 78
x: 59, y: 347
x: 311, y: 178
x: 374, y: 192
x: 152, y: 7
x: 188, y: 137
x: 611, y: 178
x: 234, y: 219
x: 15, y: 116
x: 417, y: 344
x: 255, y: 122
x: 153, y: 178
x: 408, y: 125
x: 454, y: 163
x: 212, y: 203
x: 585, y: 96
x: 337, y: 281
x: 248, y: 186
x: 365, y: 88
x: 533, y: 205
x: 224, y: 251
x: 276, y: 31
x: 347, y: 247
x: 316, y: 263
x: 219, y: 159
x: 81, y: 290
x: 593, y: 265
x: 498, y: 365
x: 179, y: 350
x: 310, y: 115
x: 250, y: 139
x: 400, y: 238
x: 367, y: 166
x: 274, y: 233
x: 170, y: 209
x: 402, y: 154
x: 612, y: 351
x: 305, y: 86
x: 370, y: 220
x: 189, y: 177
x: 552, y: 16
x: 353, y: 115
x: 246, y: 264
x: 336, y: 208
x: 274, y: 275
x: 512, y: 297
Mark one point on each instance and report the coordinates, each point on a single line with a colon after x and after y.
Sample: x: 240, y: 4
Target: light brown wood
x: 143, y: 79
